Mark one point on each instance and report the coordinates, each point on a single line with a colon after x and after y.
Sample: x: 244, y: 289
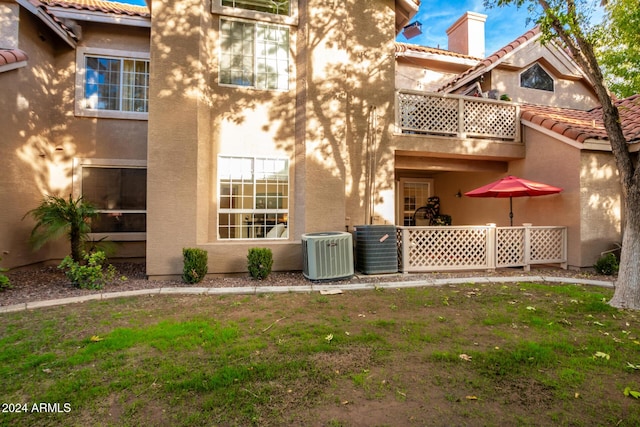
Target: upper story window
x: 267, y: 6
x: 254, y: 54
x: 112, y: 84
x: 535, y: 77
x: 274, y: 11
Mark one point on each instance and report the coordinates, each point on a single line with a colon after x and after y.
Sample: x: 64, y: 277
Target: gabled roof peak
x: 492, y: 60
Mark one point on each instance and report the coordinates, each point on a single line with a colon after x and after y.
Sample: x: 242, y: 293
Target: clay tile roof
x: 494, y: 58
x: 405, y: 47
x: 11, y: 56
x: 100, y: 6
x: 584, y: 125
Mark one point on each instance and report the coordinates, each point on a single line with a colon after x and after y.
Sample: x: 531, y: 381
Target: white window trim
x: 255, y: 210
x: 253, y: 86
x: 401, y: 195
x: 555, y: 83
x: 76, y: 191
x: 292, y: 19
x: 80, y: 103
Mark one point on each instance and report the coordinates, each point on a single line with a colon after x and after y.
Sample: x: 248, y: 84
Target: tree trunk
x: 76, y: 243
x: 627, y: 293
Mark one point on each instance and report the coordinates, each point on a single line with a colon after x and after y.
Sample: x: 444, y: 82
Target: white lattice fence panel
x: 428, y: 114
x: 447, y: 248
x: 490, y: 119
x: 510, y: 247
x: 547, y: 245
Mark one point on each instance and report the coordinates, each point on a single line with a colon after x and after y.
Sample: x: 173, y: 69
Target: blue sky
x: 503, y: 24
x: 136, y: 2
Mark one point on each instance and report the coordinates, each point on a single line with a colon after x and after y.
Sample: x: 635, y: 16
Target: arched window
x: 535, y: 77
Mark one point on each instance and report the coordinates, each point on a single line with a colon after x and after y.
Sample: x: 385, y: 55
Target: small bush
x: 259, y: 262
x: 195, y: 265
x: 607, y: 265
x: 90, y: 274
x: 4, y: 280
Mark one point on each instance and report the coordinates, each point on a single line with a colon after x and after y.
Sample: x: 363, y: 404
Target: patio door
x: 413, y: 193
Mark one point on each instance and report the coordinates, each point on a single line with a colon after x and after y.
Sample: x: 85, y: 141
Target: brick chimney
x: 466, y: 35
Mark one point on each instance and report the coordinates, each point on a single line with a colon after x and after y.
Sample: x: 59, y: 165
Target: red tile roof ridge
x: 581, y: 125
x: 11, y: 56
x: 404, y: 47
x: 493, y: 59
x: 100, y: 6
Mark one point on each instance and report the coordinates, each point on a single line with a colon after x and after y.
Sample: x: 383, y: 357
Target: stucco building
x: 227, y: 125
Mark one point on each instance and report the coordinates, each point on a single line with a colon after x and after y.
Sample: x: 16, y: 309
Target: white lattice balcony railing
x: 480, y: 247
x: 456, y: 116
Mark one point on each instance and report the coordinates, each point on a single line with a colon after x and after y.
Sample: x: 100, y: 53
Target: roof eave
x: 49, y: 22
x: 405, y: 11
x: 438, y: 57
x: 482, y: 70
x: 12, y: 66
x: 101, y: 17
x: 592, y: 144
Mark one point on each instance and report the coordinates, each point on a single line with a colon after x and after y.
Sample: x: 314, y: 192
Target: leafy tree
x: 567, y: 22
x: 618, y: 47
x: 56, y: 216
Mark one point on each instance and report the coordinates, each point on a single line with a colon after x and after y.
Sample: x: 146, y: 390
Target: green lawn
x: 474, y: 354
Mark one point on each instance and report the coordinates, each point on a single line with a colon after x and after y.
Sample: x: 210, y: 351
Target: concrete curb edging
x: 314, y: 287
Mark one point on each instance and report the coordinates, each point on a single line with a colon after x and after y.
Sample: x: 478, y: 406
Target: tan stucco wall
x: 555, y: 163
x: 600, y: 205
x: 567, y: 93
x: 570, y: 90
x: 590, y: 203
x: 41, y: 134
x: 342, y: 73
x: 427, y: 78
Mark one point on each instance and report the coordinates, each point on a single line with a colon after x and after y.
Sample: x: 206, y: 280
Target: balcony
x: 456, y: 116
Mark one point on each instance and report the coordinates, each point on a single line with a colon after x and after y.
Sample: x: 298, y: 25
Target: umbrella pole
x: 511, y: 210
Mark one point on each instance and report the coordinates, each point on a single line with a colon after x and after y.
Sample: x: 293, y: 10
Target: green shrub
x: 607, y: 265
x: 259, y: 262
x: 56, y: 217
x: 4, y: 280
x: 89, y: 274
x: 195, y: 265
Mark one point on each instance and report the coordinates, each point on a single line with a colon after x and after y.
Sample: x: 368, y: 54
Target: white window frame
x: 81, y: 104
x: 426, y: 182
x: 254, y: 210
x: 253, y: 84
x: 291, y: 19
x: 78, y: 164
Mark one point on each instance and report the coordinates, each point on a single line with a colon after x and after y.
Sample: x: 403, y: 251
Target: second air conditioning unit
x: 327, y: 255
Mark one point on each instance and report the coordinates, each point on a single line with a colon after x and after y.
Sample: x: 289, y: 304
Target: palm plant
x: 56, y: 216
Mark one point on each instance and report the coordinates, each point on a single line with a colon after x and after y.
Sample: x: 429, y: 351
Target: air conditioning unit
x: 327, y: 255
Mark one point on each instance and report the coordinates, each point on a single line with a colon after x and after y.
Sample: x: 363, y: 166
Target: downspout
x: 372, y: 160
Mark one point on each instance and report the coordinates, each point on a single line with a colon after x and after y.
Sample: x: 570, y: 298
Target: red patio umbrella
x: 512, y: 186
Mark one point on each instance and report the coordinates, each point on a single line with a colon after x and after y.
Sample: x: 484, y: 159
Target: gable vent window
x: 536, y: 78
